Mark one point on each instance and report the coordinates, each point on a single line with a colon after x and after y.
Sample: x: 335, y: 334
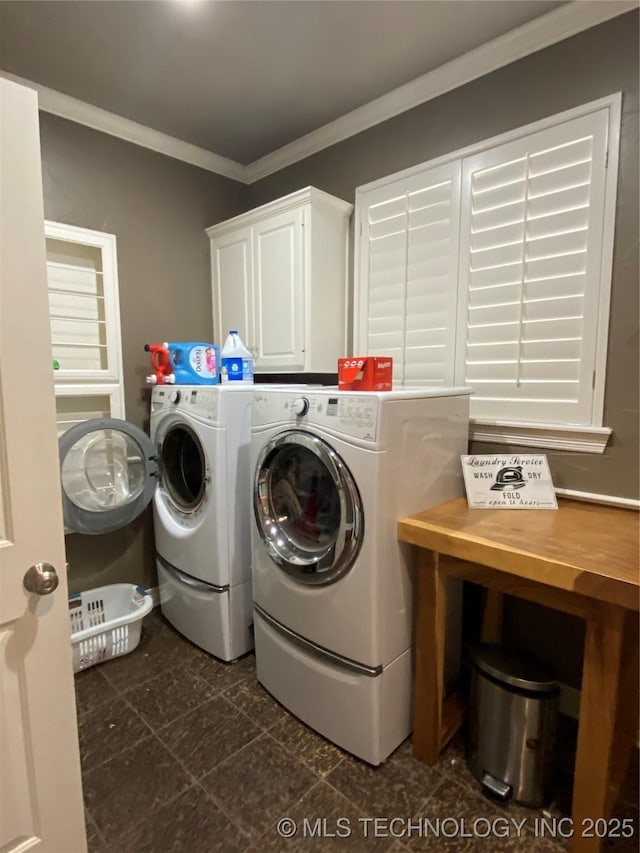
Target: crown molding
x: 64, y: 106
x: 546, y: 30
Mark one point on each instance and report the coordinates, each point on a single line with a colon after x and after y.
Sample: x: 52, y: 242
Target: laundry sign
x: 509, y: 481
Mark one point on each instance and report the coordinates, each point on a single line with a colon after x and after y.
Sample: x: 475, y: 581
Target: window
x: 492, y: 268
x: 84, y: 311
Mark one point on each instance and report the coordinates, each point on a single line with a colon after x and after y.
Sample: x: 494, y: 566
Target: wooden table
x: 582, y: 559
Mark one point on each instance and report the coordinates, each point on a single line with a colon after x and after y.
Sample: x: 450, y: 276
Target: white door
x: 232, y: 278
x: 278, y: 266
x: 40, y: 789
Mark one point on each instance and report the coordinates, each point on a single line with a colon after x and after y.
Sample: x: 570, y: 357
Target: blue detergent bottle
x: 237, y: 361
x: 194, y: 362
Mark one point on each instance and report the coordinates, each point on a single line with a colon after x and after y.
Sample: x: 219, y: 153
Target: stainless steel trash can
x: 512, y: 724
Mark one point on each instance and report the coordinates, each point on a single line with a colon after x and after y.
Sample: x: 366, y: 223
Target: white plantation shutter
x: 530, y: 267
x: 77, y: 306
x: 491, y: 267
x: 406, y: 291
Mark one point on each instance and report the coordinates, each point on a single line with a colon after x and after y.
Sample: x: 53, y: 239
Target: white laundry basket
x: 106, y: 622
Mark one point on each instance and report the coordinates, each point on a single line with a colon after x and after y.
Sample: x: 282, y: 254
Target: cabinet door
x: 232, y: 274
x: 279, y: 269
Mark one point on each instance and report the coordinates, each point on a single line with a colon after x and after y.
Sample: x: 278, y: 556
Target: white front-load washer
x: 333, y: 587
x: 202, y: 513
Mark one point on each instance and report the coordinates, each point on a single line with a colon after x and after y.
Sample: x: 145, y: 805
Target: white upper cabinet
x: 279, y: 276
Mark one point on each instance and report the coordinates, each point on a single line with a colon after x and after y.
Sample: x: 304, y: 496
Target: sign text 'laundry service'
x: 509, y: 481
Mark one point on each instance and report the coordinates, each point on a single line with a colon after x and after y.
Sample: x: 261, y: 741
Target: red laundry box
x: 367, y: 373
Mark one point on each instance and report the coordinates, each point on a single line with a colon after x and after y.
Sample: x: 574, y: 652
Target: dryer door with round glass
x: 307, y: 508
x: 108, y: 471
x: 184, y: 469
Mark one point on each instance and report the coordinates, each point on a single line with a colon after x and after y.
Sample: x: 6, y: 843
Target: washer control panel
x: 353, y: 409
x: 186, y: 398
x: 351, y: 414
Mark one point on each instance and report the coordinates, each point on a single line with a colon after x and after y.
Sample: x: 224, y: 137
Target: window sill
x: 582, y: 439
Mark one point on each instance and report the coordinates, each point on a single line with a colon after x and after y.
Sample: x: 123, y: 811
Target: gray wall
x: 158, y: 209
x: 588, y: 66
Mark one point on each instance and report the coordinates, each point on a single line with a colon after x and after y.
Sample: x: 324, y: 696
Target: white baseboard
x: 606, y: 500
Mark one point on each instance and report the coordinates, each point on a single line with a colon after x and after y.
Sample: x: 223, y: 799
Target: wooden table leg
x: 626, y: 732
x: 607, y: 723
x: 429, y: 669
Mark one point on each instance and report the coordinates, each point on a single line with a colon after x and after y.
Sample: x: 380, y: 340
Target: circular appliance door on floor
x: 184, y: 471
x: 307, y: 508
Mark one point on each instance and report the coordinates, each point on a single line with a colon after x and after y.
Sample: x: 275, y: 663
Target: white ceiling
x: 242, y: 78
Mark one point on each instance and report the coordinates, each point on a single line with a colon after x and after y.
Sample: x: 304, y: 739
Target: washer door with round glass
x: 184, y: 468
x: 109, y: 472
x: 307, y: 508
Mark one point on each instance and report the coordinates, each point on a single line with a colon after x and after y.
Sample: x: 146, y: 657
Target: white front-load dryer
x: 201, y: 513
x: 333, y: 473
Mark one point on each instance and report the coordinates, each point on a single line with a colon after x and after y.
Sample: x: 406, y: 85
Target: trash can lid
x: 512, y: 666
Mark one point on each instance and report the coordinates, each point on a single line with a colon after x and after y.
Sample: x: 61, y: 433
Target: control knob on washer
x: 300, y: 406
x: 174, y: 397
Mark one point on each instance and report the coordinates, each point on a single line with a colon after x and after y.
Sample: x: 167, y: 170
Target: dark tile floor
x: 184, y: 754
